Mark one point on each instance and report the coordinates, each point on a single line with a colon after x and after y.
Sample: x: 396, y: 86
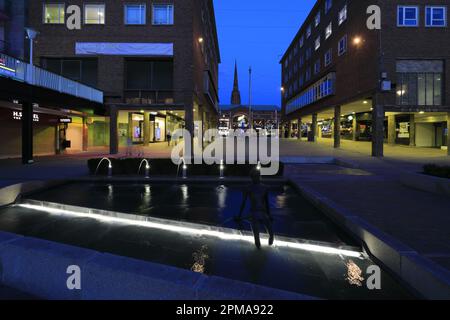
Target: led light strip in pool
x: 195, y: 231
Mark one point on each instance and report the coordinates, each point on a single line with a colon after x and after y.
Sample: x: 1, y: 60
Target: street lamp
x: 31, y: 34
x: 357, y: 40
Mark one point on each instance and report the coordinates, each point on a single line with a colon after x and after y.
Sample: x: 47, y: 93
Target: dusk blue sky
x: 256, y: 33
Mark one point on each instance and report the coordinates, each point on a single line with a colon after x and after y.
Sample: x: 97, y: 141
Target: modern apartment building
x: 156, y: 62
x: 344, y: 80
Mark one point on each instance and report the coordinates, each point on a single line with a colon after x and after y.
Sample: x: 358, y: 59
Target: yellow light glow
x: 357, y: 40
x: 200, y: 40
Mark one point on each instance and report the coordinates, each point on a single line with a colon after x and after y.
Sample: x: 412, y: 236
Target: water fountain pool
x: 317, y: 265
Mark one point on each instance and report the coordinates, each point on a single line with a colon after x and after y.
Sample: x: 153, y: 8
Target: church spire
x: 236, y: 94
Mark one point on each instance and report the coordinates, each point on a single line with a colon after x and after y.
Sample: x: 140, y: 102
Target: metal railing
x: 21, y: 71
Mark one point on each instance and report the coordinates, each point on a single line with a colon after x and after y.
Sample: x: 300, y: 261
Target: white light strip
x: 195, y: 231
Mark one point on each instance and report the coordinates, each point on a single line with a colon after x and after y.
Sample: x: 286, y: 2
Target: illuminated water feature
x: 192, y: 241
x: 147, y: 168
x: 109, y: 166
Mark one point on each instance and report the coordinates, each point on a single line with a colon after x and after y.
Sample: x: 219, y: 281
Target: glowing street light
x: 357, y: 41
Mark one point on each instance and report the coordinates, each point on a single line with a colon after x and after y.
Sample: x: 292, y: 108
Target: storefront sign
x: 404, y: 130
x: 65, y: 120
x: 17, y: 115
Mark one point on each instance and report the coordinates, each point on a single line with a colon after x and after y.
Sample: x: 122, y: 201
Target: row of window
x: 139, y: 74
x: 321, y: 89
x: 342, y: 16
x: 435, y: 16
x: 134, y: 14
x: 328, y: 59
x: 422, y: 89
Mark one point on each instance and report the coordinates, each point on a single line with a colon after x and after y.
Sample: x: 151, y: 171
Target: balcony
x: 149, y: 97
x: 24, y: 72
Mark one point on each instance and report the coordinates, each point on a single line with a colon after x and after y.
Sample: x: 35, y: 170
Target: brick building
x: 342, y: 80
x: 156, y: 62
x: 40, y: 112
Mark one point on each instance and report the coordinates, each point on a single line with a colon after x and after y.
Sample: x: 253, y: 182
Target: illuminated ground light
x: 195, y: 231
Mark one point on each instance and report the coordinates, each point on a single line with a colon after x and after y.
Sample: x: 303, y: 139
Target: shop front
x: 45, y: 132
x: 142, y: 127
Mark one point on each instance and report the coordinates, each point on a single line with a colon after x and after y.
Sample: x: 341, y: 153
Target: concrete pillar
x: 27, y: 133
x: 85, y: 134
x: 392, y: 130
x: 299, y: 128
x: 377, y: 128
x: 146, y: 128
x: 113, y: 131
x: 312, y: 137
x: 189, y: 122
x: 289, y: 129
x: 130, y: 126
x: 448, y: 133
x: 412, y: 130
x: 354, y: 128
x: 337, y: 127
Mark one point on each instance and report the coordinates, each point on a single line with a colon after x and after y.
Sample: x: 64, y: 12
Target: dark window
x: 149, y: 75
x: 81, y: 70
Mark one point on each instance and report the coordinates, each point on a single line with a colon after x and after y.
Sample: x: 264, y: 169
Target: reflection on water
x: 221, y: 196
x: 200, y: 257
x: 354, y: 274
x: 184, y: 194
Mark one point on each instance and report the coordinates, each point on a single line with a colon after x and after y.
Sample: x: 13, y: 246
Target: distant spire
x: 236, y: 94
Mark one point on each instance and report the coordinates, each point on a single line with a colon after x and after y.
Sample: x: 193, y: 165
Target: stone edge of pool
x: 422, y: 275
x: 39, y: 267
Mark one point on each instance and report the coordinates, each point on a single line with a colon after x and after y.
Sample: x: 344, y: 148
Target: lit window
x: 328, y: 57
x: 317, y: 67
x: 94, y: 14
x: 317, y: 19
x: 135, y: 14
x: 328, y: 31
x: 308, y: 74
x: 302, y: 41
x: 308, y: 32
x: 436, y: 16
x: 162, y: 14
x: 308, y: 54
x: 54, y: 13
x: 317, y: 43
x: 342, y: 15
x: 408, y: 16
x: 342, y: 46
x: 328, y: 4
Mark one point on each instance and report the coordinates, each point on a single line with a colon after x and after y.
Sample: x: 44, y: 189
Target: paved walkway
x: 396, y: 156
x: 419, y: 219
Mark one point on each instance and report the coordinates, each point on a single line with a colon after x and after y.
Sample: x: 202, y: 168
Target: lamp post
x: 31, y: 34
x: 250, y: 97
